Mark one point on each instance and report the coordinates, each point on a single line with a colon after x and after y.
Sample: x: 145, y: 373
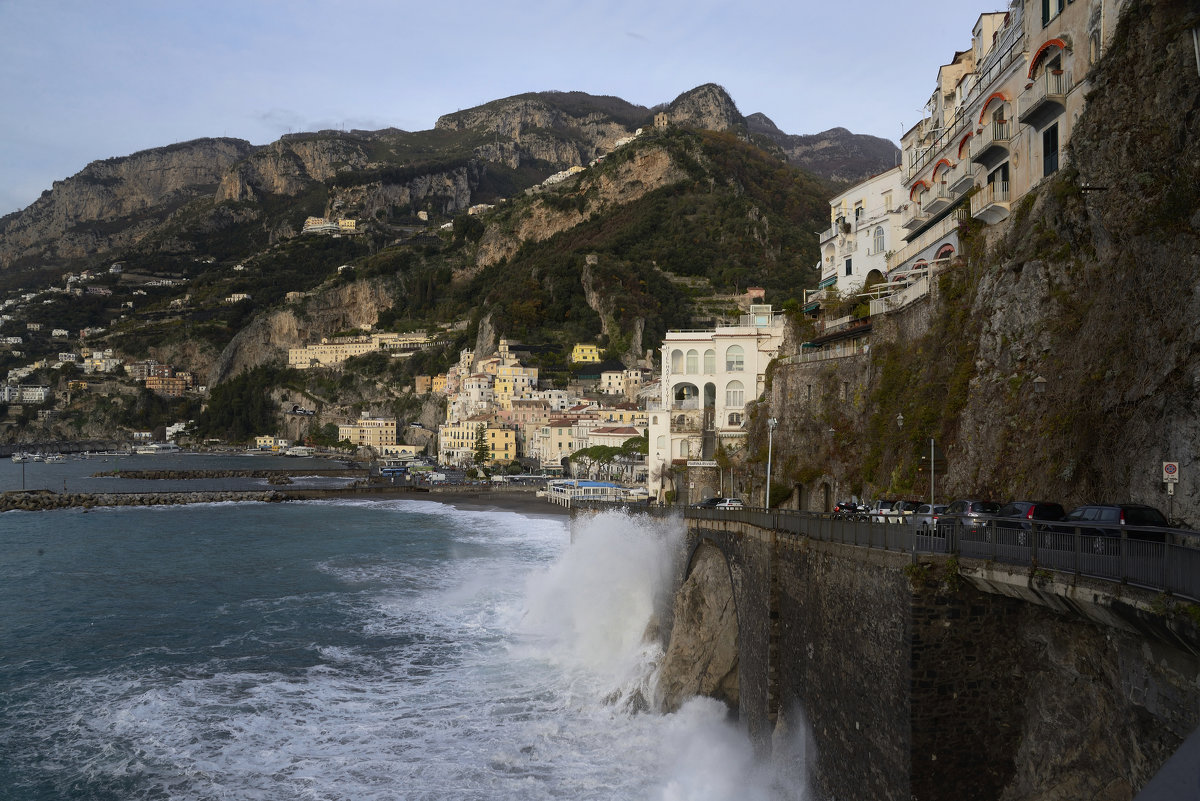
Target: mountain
x: 216, y: 196
x: 836, y: 154
x: 641, y: 228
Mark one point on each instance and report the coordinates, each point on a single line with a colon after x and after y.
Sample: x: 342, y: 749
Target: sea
x: 358, y: 650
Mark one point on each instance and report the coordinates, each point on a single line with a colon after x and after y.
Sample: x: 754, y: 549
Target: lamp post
x: 772, y: 423
x: 931, y: 469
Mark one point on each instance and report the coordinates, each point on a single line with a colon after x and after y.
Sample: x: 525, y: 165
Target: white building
x: 865, y: 227
x: 708, y: 377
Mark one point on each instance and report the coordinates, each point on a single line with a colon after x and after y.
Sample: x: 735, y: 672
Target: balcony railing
x: 990, y: 146
x: 990, y: 204
x: 926, y: 238
x: 829, y: 233
x: 914, y: 215
x: 1044, y: 99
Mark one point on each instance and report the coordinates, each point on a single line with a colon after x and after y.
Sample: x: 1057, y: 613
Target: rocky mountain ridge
x: 470, y: 156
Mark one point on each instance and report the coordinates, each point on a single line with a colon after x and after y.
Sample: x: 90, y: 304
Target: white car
x: 730, y: 503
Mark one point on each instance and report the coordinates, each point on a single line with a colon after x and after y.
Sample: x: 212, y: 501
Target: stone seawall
x: 935, y: 680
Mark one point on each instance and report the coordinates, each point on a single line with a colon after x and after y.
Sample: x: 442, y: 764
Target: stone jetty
x: 43, y: 500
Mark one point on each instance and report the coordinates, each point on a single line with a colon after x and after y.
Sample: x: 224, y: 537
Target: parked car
x: 925, y: 517
x: 1022, y: 516
x: 969, y: 513
x: 730, y: 503
x: 893, y: 511
x: 1111, y: 517
x: 708, y: 503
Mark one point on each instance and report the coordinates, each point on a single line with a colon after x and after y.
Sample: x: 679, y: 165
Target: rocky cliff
x: 648, y: 169
x: 836, y: 154
x: 1095, y: 289
x: 113, y: 203
x: 1059, y: 360
x: 702, y: 654
x: 267, y: 338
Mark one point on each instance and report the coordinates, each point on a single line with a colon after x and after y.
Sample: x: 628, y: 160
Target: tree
x: 483, y: 451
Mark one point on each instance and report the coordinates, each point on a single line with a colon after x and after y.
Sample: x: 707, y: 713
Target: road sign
x: 1171, y: 472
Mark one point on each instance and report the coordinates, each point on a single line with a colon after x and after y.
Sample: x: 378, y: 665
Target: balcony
x: 990, y: 146
x: 940, y: 197
x: 914, y: 215
x: 990, y: 203
x: 1044, y: 99
x: 828, y: 234
x: 961, y: 178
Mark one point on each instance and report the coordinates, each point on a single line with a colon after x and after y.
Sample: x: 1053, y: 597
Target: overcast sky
x: 86, y: 80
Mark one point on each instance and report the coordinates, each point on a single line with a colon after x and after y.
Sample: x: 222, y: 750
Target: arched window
x: 684, y: 450
x: 879, y: 241
x: 661, y: 443
x: 735, y: 418
x: 735, y: 395
x: 734, y: 359
x: 655, y: 420
x: 945, y: 251
x: 676, y: 361
x: 693, y: 362
x: 710, y: 361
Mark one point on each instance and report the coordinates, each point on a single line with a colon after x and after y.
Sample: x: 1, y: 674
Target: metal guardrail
x: 1162, y: 560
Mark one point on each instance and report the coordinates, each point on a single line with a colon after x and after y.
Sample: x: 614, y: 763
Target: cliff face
x: 708, y: 107
x: 267, y: 338
x: 702, y: 655
x: 1095, y: 288
x: 647, y: 171
x: 113, y: 203
x: 1092, y: 285
x: 288, y: 166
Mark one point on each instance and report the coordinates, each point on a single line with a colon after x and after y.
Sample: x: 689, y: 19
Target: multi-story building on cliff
x: 708, y: 377
x: 865, y: 226
x: 332, y: 352
x: 999, y: 119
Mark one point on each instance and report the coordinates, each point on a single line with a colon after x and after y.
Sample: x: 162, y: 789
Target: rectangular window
x: 1050, y: 150
x: 849, y: 267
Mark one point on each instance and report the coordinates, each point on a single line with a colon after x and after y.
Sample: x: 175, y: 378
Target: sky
x: 85, y: 80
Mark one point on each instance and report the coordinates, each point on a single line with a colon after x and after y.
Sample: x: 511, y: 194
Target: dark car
x: 1024, y: 516
x: 1109, y: 519
x: 708, y: 503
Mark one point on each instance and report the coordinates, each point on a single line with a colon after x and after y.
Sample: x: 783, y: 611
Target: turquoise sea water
x: 335, y: 650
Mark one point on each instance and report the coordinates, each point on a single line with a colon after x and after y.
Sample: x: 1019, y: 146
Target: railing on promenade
x: 1163, y: 560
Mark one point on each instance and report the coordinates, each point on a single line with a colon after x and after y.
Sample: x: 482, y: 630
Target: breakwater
x: 187, y: 475
x: 43, y: 500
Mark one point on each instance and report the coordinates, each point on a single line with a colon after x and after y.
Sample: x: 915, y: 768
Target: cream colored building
x: 372, y: 432
x: 999, y: 119
x: 708, y: 377
x: 456, y: 440
x: 332, y: 352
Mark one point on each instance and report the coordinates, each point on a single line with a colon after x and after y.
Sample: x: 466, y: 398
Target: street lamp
x: 772, y: 424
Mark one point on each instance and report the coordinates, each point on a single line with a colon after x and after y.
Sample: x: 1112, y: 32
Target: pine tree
x: 483, y: 451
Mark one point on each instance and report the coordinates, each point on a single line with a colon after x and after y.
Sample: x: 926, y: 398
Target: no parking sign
x: 1171, y: 472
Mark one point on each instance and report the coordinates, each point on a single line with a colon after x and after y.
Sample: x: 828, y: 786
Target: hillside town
x: 996, y: 124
